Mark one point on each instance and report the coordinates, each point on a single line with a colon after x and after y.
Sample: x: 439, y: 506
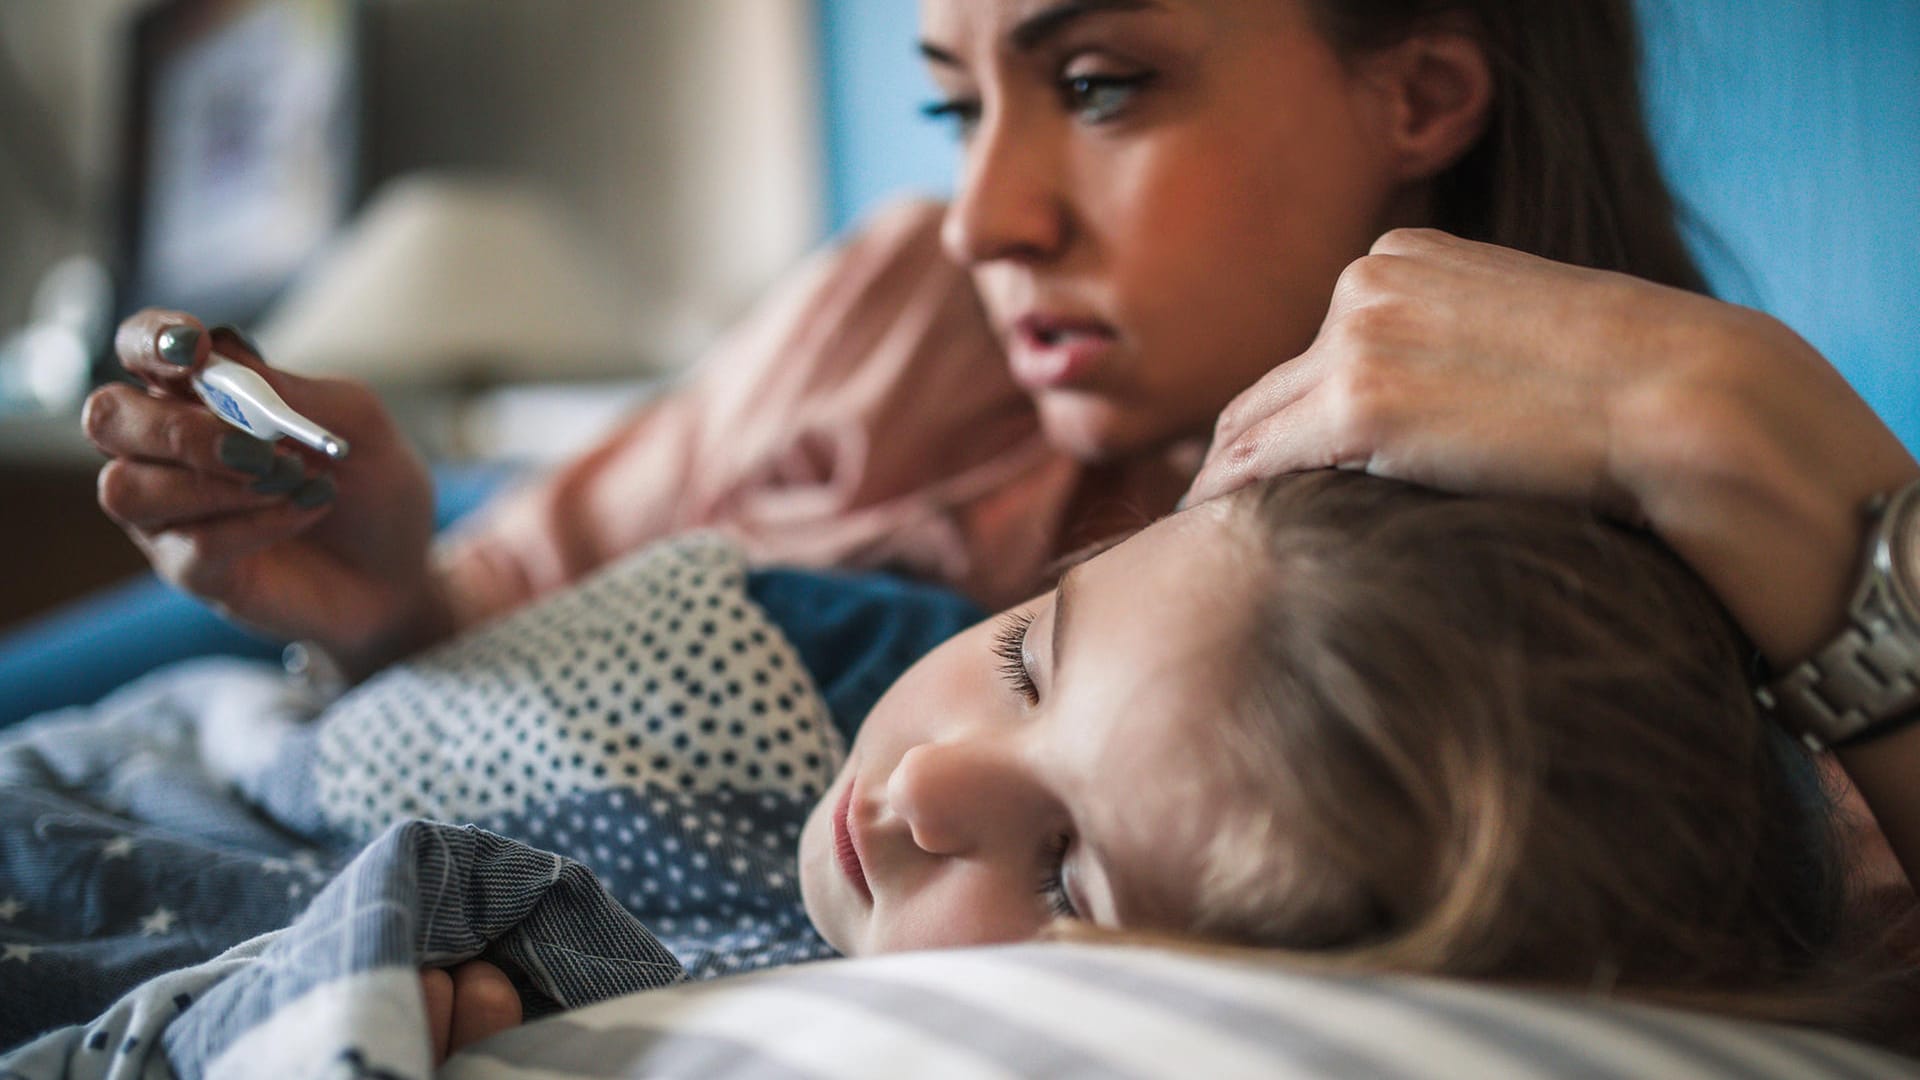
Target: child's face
x: 1156, y: 197
x: 974, y: 812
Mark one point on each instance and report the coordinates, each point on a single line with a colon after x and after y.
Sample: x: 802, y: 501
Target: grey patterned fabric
x: 339, y: 983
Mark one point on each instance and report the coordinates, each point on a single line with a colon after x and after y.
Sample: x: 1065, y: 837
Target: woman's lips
x: 845, y: 851
x: 1051, y: 352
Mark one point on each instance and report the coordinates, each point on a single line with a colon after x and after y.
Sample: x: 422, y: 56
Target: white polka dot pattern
x: 657, y: 672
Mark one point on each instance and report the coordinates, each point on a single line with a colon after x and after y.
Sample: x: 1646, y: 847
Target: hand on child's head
x: 466, y: 1004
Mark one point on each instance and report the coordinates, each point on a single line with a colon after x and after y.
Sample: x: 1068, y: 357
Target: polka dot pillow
x: 659, y: 672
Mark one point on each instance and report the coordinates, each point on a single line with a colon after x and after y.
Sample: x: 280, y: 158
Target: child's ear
x: 1436, y: 92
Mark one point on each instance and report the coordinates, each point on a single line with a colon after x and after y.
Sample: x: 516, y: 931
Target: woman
x: 1164, y: 204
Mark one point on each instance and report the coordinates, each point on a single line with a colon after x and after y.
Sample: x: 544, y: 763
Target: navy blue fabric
x: 80, y: 652
x: 856, y: 633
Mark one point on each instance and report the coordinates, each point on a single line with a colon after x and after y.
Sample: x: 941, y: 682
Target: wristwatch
x: 1866, y: 682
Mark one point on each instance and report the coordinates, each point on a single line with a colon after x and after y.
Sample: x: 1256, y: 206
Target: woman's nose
x: 1009, y: 204
x: 958, y: 797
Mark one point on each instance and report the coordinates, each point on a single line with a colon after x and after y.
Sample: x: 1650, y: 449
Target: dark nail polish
x: 176, y: 345
x: 239, y: 335
x: 286, y: 475
x: 315, y: 492
x: 246, y: 453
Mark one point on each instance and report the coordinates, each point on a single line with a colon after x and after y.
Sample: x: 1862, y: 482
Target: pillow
x: 1107, y: 1010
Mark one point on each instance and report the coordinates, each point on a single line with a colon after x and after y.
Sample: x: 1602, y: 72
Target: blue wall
x: 878, y: 144
x: 1793, y: 137
x: 1797, y: 141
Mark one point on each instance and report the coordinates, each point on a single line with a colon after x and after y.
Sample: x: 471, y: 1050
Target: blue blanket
x: 138, y: 893
x: 198, y: 877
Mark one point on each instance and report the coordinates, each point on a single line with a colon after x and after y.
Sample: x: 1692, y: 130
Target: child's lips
x: 846, y: 848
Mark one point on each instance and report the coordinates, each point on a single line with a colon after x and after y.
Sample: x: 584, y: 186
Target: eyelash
x: 960, y: 113
x: 1076, y: 94
x: 1054, y: 888
x: 1009, y: 644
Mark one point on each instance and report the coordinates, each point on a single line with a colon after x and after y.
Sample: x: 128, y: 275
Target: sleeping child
x: 1354, y: 722
x: 1330, y: 715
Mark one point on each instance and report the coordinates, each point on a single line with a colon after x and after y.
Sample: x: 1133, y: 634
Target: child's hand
x: 467, y: 1004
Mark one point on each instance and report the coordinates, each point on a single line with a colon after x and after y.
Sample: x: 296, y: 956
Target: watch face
x: 1904, y: 547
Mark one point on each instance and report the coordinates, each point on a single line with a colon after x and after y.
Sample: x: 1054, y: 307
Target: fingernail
x: 241, y: 336
x: 285, y: 475
x: 315, y: 492
x: 246, y: 453
x: 176, y: 345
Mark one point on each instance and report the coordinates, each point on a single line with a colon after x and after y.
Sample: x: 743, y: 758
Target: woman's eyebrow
x: 1036, y: 29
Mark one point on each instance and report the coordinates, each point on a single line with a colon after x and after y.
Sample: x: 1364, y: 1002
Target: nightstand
x: 55, y: 544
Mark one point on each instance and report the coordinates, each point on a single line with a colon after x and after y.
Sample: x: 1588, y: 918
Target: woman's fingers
x: 138, y: 495
x: 125, y: 422
x: 202, y: 557
x: 162, y: 347
x: 1296, y: 437
x: 1277, y: 391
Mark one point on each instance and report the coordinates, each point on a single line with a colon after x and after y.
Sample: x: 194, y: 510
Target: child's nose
x: 959, y: 797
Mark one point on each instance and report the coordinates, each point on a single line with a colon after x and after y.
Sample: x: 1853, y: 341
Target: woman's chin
x: 1095, y: 430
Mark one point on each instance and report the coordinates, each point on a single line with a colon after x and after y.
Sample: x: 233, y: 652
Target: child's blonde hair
x: 1503, y: 739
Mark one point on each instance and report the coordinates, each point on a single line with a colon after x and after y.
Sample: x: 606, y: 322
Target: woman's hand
x: 467, y: 1004
x: 1479, y: 369
x: 272, y: 534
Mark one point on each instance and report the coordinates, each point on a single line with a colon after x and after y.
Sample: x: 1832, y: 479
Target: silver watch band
x: 1866, y: 681
x: 1862, y: 677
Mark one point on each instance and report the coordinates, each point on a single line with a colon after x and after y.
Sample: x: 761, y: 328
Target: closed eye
x: 1053, y: 886
x: 1010, y: 645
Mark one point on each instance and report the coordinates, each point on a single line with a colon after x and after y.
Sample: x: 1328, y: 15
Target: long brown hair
x: 1566, y: 169
x: 1503, y: 739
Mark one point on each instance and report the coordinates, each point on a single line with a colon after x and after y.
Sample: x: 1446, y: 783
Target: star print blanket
x: 214, y: 873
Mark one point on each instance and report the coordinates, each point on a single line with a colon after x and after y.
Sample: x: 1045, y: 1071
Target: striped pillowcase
x: 1082, y: 1010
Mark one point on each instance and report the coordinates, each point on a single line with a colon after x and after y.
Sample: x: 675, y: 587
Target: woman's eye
x: 1099, y: 98
x: 961, y: 114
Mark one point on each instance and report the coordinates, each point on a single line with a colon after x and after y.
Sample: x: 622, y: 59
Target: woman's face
x: 1156, y: 197
x: 1062, y: 759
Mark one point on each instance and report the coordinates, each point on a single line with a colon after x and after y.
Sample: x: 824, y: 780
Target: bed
x: 216, y: 871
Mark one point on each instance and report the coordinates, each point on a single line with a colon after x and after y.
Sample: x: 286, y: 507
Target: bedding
x: 641, y: 751
x: 1124, y: 1011
x: 218, y: 872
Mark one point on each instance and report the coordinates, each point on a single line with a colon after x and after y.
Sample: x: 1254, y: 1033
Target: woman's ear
x: 1437, y: 89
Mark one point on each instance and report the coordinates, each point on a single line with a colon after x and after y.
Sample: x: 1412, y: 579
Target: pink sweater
x: 862, y: 417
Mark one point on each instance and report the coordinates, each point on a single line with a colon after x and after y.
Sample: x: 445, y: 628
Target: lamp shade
x: 445, y: 279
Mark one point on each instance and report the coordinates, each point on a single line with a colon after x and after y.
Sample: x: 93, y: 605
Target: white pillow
x: 1082, y: 1010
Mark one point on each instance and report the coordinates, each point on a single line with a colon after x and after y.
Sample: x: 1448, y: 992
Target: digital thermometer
x: 238, y: 395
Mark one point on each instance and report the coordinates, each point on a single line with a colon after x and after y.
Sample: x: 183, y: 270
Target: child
x: 1340, y: 716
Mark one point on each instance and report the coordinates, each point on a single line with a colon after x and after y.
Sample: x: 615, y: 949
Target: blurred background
x: 519, y: 217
